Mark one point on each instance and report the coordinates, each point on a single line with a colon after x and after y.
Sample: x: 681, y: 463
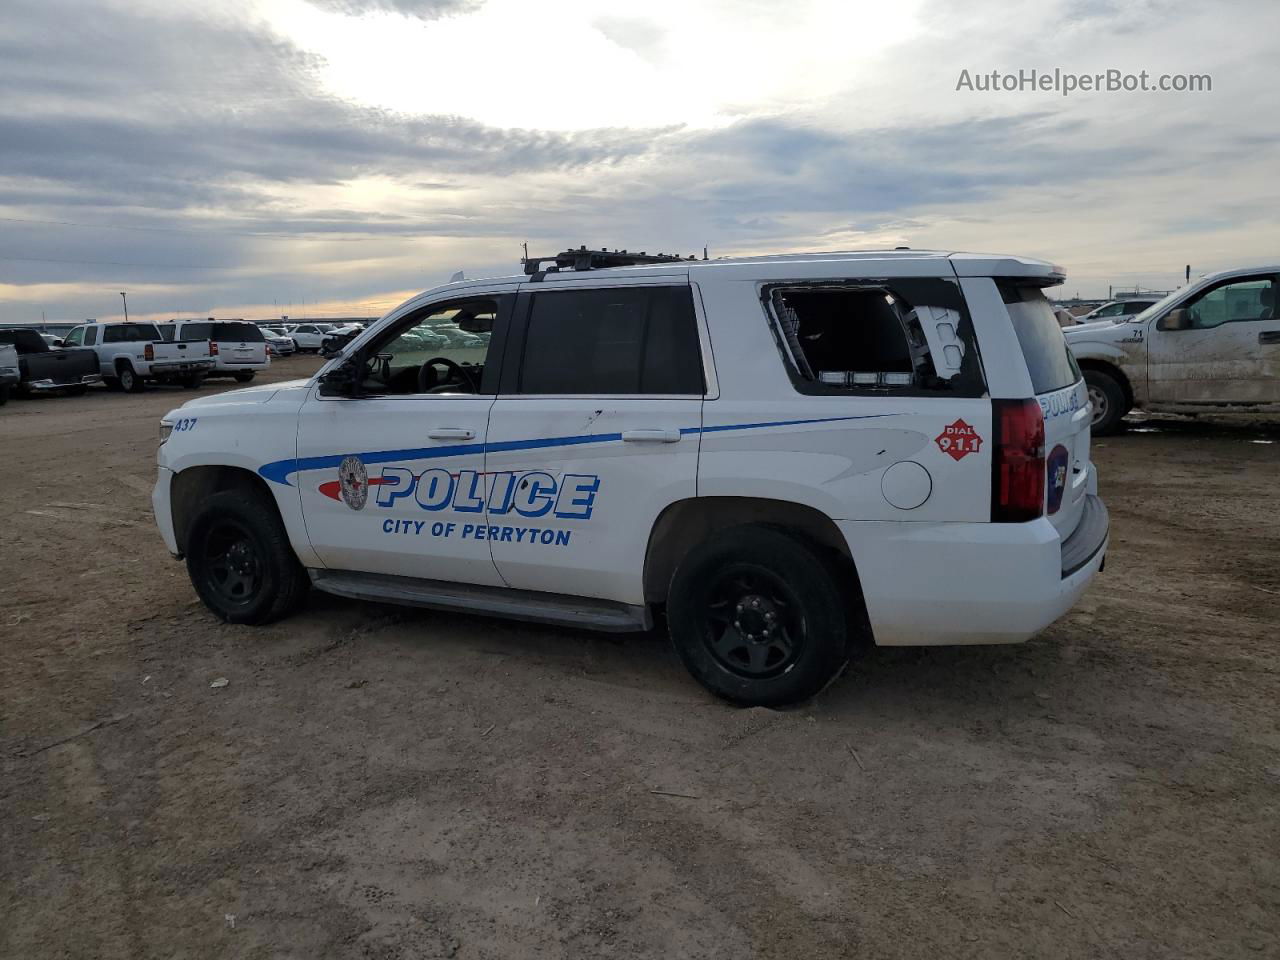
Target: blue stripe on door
x: 279, y: 471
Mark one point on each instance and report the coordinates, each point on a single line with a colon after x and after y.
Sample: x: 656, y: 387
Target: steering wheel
x: 428, y: 379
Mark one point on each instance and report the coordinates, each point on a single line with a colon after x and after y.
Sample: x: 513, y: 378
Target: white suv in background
x: 238, y: 347
x: 786, y: 454
x: 308, y: 337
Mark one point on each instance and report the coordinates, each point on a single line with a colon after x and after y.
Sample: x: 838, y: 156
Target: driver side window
x: 443, y: 350
x: 1244, y: 300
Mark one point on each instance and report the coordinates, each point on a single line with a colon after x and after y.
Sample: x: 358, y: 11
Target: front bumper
x: 88, y: 380
x: 935, y: 584
x: 161, y: 507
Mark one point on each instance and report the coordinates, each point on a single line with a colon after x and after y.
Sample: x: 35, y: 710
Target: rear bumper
x: 935, y: 584
x: 237, y: 366
x: 49, y: 384
x: 170, y: 368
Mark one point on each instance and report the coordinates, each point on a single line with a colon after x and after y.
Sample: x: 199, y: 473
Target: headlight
x: 166, y: 428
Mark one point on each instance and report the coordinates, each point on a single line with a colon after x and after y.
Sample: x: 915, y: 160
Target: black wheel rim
x: 233, y: 564
x: 752, y: 622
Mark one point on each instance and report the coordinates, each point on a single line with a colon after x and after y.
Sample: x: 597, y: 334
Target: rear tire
x: 130, y: 382
x: 758, y: 618
x: 1109, y: 402
x: 240, y: 560
x: 4, y: 395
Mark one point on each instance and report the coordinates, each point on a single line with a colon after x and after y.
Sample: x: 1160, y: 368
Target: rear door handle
x: 651, y: 436
x: 451, y: 433
x: 1269, y: 336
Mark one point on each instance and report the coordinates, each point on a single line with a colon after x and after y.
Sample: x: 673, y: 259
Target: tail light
x: 149, y: 353
x: 1017, y: 464
x: 213, y: 348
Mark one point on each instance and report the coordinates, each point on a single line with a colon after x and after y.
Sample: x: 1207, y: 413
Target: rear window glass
x: 131, y: 333
x: 26, y: 341
x: 1049, y: 361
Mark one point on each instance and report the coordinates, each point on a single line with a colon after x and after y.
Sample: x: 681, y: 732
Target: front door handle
x: 451, y: 433
x: 651, y: 436
x: 1269, y: 336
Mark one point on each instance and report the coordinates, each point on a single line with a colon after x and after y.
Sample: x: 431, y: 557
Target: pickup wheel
x: 757, y: 617
x: 4, y: 395
x: 130, y: 382
x: 1109, y: 403
x: 241, y: 562
x: 244, y: 376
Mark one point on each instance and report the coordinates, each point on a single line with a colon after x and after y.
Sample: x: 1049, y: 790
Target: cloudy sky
x: 256, y: 157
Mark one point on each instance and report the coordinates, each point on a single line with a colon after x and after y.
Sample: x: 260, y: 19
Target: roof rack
x: 584, y: 259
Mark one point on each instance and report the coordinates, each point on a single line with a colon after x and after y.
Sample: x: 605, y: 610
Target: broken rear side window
x: 906, y: 337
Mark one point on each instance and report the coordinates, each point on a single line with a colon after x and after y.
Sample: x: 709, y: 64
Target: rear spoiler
x: 1039, y: 273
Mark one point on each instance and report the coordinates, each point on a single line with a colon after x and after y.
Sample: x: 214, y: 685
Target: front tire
x: 1109, y: 402
x: 241, y: 562
x: 757, y: 617
x: 4, y: 395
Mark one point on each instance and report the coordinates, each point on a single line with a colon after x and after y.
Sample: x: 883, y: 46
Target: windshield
x: 1157, y: 307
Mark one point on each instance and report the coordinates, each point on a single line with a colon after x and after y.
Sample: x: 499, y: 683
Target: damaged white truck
x: 1213, y: 346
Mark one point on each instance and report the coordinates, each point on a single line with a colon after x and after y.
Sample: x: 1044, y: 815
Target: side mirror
x: 1178, y: 319
x: 343, y: 380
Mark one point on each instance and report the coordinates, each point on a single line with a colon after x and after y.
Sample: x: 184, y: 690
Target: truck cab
x: 1212, y: 346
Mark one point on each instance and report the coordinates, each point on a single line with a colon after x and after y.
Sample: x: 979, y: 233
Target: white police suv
x: 787, y: 454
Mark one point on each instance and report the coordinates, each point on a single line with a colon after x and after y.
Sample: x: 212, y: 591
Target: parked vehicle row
x: 42, y: 367
x: 128, y: 355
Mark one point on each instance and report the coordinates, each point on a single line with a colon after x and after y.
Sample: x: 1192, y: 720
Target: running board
x: 529, y: 605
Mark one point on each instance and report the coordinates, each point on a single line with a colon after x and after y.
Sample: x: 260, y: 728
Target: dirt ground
x: 387, y: 783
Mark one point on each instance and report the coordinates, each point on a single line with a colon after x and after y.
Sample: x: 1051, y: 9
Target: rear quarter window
x: 131, y: 333
x: 1049, y: 360
x: 245, y: 332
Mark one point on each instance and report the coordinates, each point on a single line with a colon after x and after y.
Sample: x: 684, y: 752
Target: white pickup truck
x: 1213, y: 346
x: 129, y: 354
